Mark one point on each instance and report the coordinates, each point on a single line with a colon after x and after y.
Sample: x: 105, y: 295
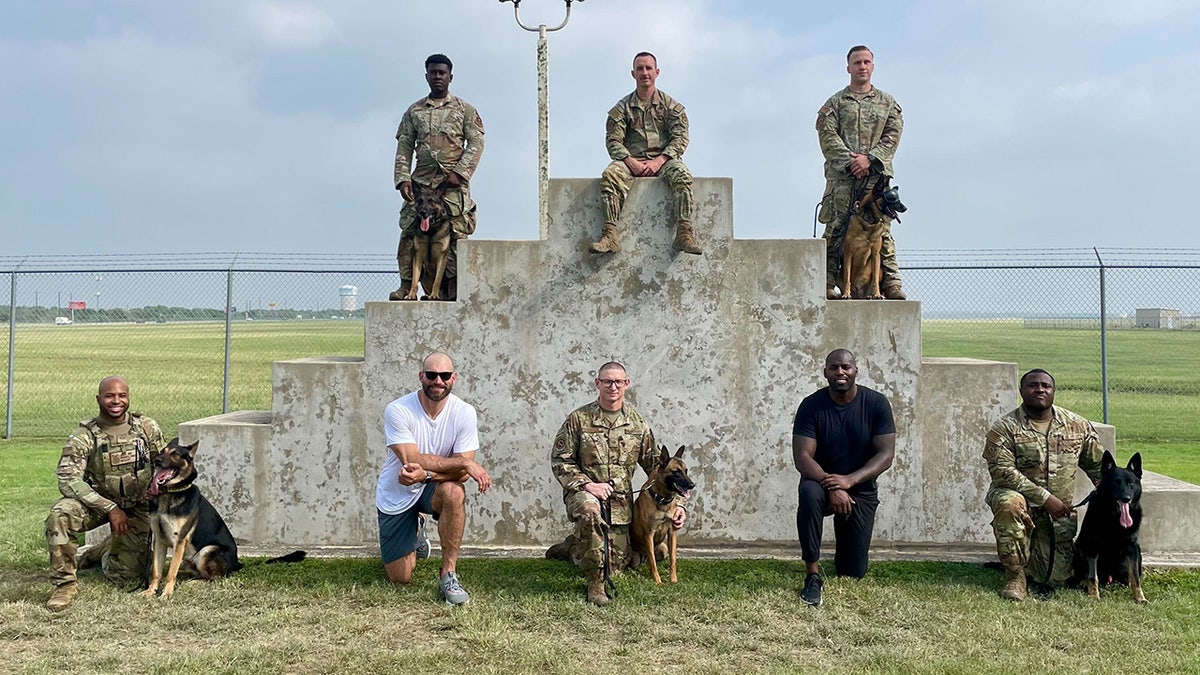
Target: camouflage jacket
x: 446, y: 136
x: 1017, y: 456
x: 852, y: 123
x: 103, y: 471
x: 590, y: 449
x: 646, y: 130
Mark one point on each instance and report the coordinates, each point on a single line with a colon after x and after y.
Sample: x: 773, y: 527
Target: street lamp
x: 543, y: 62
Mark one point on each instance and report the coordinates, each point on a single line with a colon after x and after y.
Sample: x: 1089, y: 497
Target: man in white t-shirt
x: 432, y: 436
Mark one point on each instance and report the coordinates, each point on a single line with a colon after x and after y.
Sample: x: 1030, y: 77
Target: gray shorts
x: 398, y: 533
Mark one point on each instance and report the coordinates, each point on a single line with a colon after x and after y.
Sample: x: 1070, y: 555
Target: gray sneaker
x: 422, y: 539
x: 451, y: 591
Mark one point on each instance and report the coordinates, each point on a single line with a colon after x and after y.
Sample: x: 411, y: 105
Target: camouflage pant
x: 616, y: 181
x: 125, y: 562
x: 835, y: 206
x: 1032, y: 539
x: 587, y: 539
x: 462, y: 225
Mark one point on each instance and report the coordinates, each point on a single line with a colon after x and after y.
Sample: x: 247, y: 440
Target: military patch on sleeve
x: 478, y: 121
x: 560, y: 443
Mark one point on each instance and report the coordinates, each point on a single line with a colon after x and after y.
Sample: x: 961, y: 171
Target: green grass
x: 175, y: 370
x: 340, y: 616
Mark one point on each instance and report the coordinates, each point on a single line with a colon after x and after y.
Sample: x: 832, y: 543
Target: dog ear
x: 1107, y: 462
x: 1135, y: 464
x: 679, y: 452
x: 174, y: 443
x: 663, y: 456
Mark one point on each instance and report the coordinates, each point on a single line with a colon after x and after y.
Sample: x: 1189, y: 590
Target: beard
x: 436, y: 394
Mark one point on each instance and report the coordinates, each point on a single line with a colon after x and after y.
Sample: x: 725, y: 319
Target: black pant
x: 852, y: 533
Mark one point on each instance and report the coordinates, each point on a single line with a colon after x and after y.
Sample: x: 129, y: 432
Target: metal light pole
x: 543, y: 62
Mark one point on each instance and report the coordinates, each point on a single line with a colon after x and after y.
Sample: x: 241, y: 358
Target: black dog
x: 183, y: 521
x: 1107, y: 549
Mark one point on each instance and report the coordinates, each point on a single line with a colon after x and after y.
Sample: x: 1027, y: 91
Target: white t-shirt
x: 454, y: 431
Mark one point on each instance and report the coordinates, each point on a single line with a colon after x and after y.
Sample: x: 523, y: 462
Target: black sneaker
x: 811, y: 593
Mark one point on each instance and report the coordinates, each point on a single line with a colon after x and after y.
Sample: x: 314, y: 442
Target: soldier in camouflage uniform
x: 595, y: 454
x: 446, y: 134
x: 1031, y: 454
x: 859, y: 130
x: 646, y: 134
x: 103, y: 475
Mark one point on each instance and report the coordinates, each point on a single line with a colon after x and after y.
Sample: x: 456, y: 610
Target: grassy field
x: 340, y: 616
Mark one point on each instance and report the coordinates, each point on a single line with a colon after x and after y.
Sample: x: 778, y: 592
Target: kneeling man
x: 432, y: 436
x: 843, y: 437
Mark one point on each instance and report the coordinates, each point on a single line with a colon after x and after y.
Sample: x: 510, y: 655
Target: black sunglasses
x: 434, y: 375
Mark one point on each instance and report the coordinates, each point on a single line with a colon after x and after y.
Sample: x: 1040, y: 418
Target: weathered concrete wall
x: 721, y: 348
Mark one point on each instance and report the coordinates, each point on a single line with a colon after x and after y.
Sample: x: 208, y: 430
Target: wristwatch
x: 428, y: 476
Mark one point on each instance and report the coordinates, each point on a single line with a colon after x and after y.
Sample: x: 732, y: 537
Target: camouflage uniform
x: 1026, y: 468
x: 594, y: 447
x: 446, y: 135
x: 645, y: 131
x: 851, y: 123
x: 103, y: 468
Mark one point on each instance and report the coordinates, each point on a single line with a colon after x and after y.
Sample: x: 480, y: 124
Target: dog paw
x: 148, y: 593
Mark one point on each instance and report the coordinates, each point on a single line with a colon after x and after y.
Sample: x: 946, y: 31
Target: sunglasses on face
x: 612, y: 383
x: 433, y: 375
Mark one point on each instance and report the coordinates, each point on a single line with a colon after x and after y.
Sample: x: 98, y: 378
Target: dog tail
x: 293, y: 557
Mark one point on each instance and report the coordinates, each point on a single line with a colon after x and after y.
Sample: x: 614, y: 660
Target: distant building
x: 349, y: 298
x: 1156, y: 317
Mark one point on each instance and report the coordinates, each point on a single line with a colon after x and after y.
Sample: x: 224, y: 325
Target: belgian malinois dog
x: 184, y: 522
x: 870, y: 218
x: 652, y: 531
x: 431, y: 245
x: 1107, y: 549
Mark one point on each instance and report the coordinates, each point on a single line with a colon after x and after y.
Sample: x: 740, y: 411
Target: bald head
x: 438, y: 361
x: 839, y: 356
x: 113, y: 399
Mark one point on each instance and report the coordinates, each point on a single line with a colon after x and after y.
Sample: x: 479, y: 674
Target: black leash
x: 610, y: 588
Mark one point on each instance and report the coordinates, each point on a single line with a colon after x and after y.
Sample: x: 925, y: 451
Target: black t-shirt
x: 844, y: 432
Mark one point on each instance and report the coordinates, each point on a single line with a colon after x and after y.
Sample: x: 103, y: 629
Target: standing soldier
x: 103, y: 475
x: 646, y: 134
x: 1031, y: 454
x: 446, y: 133
x: 595, y: 454
x: 859, y: 129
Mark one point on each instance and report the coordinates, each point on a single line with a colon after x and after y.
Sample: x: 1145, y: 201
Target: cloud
x: 291, y: 26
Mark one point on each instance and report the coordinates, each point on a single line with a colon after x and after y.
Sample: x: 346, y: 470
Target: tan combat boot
x: 1014, y: 583
x: 685, y: 239
x: 607, y: 243
x: 560, y: 551
x: 894, y: 293
x: 595, y: 588
x: 63, y: 596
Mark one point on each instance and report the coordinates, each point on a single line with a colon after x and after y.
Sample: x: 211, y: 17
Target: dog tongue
x: 685, y: 494
x: 161, y: 477
x: 424, y: 224
x: 1126, y: 521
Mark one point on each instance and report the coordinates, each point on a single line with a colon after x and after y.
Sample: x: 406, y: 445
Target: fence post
x: 12, y: 333
x: 228, y: 316
x: 1103, y: 338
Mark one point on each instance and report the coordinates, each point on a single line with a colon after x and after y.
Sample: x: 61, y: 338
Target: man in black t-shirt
x: 842, y: 439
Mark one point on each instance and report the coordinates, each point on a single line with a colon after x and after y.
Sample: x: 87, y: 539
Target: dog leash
x: 610, y: 588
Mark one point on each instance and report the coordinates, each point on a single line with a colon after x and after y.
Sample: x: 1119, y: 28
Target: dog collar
x: 659, y: 498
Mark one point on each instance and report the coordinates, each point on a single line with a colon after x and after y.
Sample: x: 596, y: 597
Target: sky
x: 269, y: 127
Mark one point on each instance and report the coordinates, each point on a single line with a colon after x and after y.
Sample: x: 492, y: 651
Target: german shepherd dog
x: 431, y: 245
x: 184, y: 522
x: 870, y: 218
x: 1107, y: 549
x: 652, y: 531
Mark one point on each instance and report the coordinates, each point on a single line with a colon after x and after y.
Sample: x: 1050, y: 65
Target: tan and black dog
x: 184, y: 522
x: 431, y: 245
x: 652, y: 532
x: 870, y: 218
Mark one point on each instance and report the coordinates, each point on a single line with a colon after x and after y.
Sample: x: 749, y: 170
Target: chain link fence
x: 1118, y: 328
